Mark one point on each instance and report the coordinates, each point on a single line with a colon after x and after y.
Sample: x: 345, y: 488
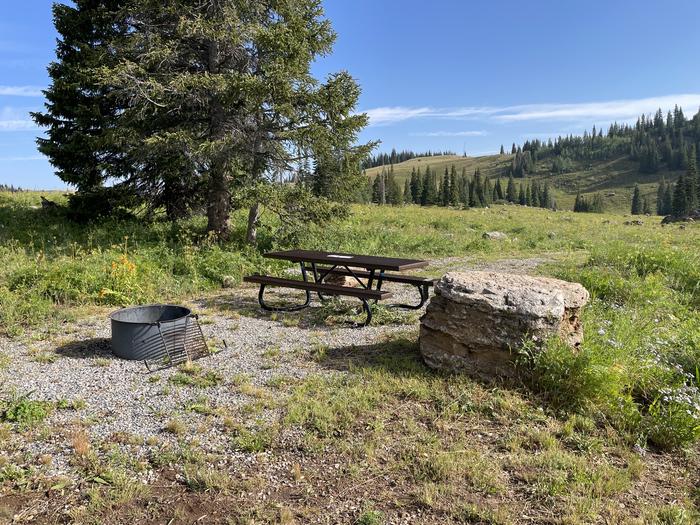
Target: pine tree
x: 503, y: 151
x: 680, y: 202
x: 487, y: 193
x: 430, y: 195
x: 511, y: 195
x: 498, y: 190
x: 393, y: 191
x: 407, y: 197
x: 454, y: 187
x: 668, y: 200
x: 213, y: 106
x: 80, y: 111
x: 445, y: 191
x: 522, y: 200
x: 546, y: 201
x: 513, y: 149
x: 660, y: 192
x: 646, y: 209
x: 636, y: 201
x: 416, y: 186
x: 377, y: 190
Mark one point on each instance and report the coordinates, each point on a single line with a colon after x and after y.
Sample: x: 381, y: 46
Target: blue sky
x: 447, y: 74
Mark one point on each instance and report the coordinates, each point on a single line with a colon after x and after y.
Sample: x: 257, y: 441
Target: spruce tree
x: 498, y: 190
x: 546, y: 201
x: 511, y: 195
x: 680, y: 201
x: 407, y: 197
x: 522, y: 200
x: 660, y: 192
x: 445, y: 191
x: 454, y: 187
x: 81, y: 113
x: 668, y: 200
x: 636, y: 201
x: 226, y: 89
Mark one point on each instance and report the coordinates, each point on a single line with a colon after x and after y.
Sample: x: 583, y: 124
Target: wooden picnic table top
x: 369, y: 262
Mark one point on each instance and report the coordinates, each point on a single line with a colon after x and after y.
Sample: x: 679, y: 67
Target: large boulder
x: 478, y: 320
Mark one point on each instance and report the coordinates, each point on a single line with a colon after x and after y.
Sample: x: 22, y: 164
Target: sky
x: 465, y: 76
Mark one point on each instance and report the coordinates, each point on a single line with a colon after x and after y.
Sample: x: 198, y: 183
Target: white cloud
x: 17, y: 125
x: 477, y: 133
x: 21, y: 159
x: 21, y: 91
x: 389, y: 115
x: 608, y: 111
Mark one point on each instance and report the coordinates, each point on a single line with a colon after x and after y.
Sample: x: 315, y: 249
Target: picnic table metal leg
x: 264, y: 306
x: 380, y: 280
x: 424, y: 295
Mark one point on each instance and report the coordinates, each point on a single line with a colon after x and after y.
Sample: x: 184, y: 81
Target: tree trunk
x: 253, y: 216
x: 218, y: 205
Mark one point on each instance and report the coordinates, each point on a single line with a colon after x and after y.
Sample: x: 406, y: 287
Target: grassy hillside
x: 614, y: 179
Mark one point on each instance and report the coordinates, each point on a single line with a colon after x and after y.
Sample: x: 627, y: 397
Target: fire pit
x: 165, y: 333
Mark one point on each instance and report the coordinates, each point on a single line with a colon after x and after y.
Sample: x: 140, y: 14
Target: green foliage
x: 21, y: 409
x: 638, y: 366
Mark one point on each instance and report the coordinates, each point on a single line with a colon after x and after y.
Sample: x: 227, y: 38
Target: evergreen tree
x: 522, y: 200
x: 511, y: 195
x: 407, y: 196
x: 393, y: 191
x: 503, y: 151
x: 430, y: 196
x: 498, y: 191
x: 660, y: 192
x: 80, y: 111
x: 377, y: 190
x: 546, y: 200
x: 454, y: 187
x: 646, y: 209
x: 668, y: 200
x: 680, y: 205
x: 487, y: 193
x: 445, y: 191
x: 636, y: 201
x: 224, y: 108
x: 416, y: 186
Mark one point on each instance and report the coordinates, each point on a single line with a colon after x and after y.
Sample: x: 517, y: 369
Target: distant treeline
x: 654, y: 141
x: 428, y: 188
x: 386, y: 159
x: 10, y: 188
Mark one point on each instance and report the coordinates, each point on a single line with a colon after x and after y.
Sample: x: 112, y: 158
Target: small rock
x: 494, y: 236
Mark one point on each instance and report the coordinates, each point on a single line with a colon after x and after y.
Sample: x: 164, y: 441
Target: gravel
x: 121, y: 398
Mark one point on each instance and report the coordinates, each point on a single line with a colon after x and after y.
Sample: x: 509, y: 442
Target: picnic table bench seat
x: 389, y: 277
x: 367, y: 270
x: 320, y: 288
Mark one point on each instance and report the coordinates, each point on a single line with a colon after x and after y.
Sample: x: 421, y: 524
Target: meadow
x: 571, y: 441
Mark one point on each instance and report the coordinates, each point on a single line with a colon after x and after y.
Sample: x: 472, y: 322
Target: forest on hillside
x: 656, y: 143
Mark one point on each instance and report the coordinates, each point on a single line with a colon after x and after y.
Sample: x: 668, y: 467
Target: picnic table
x: 369, y: 272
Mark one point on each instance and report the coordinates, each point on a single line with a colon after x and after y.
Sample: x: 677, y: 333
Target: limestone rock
x: 477, y: 320
x: 494, y: 236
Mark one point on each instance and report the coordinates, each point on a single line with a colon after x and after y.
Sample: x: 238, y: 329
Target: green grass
x: 558, y: 445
